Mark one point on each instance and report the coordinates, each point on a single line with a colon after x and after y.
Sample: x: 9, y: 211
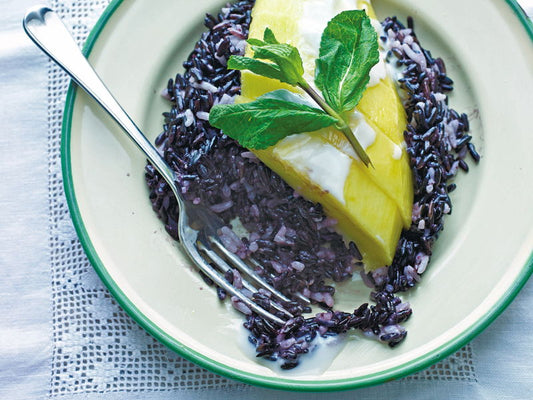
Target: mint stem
x: 342, y: 125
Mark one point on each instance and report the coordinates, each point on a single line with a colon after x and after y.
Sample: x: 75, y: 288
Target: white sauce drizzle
x: 364, y: 133
x: 397, y: 152
x: 319, y: 161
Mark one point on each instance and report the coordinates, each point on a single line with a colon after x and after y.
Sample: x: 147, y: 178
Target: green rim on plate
x: 219, y: 368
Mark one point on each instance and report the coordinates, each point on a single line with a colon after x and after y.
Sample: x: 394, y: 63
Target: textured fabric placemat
x: 97, y: 347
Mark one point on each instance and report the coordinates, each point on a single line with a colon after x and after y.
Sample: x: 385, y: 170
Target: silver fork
x: 198, y: 227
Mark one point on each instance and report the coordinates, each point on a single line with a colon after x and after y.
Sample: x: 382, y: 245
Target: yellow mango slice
x: 381, y: 105
x: 375, y: 215
x: 284, y: 25
x: 391, y: 171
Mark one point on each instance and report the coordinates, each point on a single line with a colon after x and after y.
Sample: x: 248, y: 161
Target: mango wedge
x: 371, y: 205
x: 367, y: 216
x: 381, y: 105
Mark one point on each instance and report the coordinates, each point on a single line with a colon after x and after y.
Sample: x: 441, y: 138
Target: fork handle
x: 48, y: 32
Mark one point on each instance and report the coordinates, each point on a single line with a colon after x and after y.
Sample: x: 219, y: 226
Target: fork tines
x: 231, y: 273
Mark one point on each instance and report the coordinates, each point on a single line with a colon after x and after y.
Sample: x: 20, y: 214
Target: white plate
x: 484, y: 255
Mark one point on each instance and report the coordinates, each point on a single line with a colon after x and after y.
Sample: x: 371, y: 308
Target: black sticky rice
x: 291, y: 238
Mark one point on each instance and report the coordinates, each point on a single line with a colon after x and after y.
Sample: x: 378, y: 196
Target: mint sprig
x: 348, y: 51
x: 285, y: 63
x: 270, y: 118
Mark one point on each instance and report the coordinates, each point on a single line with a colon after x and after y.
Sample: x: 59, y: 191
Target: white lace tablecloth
x: 63, y: 336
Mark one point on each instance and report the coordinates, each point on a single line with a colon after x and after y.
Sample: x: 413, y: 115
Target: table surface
x: 501, y: 356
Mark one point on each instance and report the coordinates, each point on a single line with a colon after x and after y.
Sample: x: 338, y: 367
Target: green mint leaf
x: 348, y: 51
x: 256, y: 42
x: 287, y: 95
x: 285, y: 61
x: 256, y: 66
x: 264, y: 122
x: 286, y: 57
x: 269, y: 37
